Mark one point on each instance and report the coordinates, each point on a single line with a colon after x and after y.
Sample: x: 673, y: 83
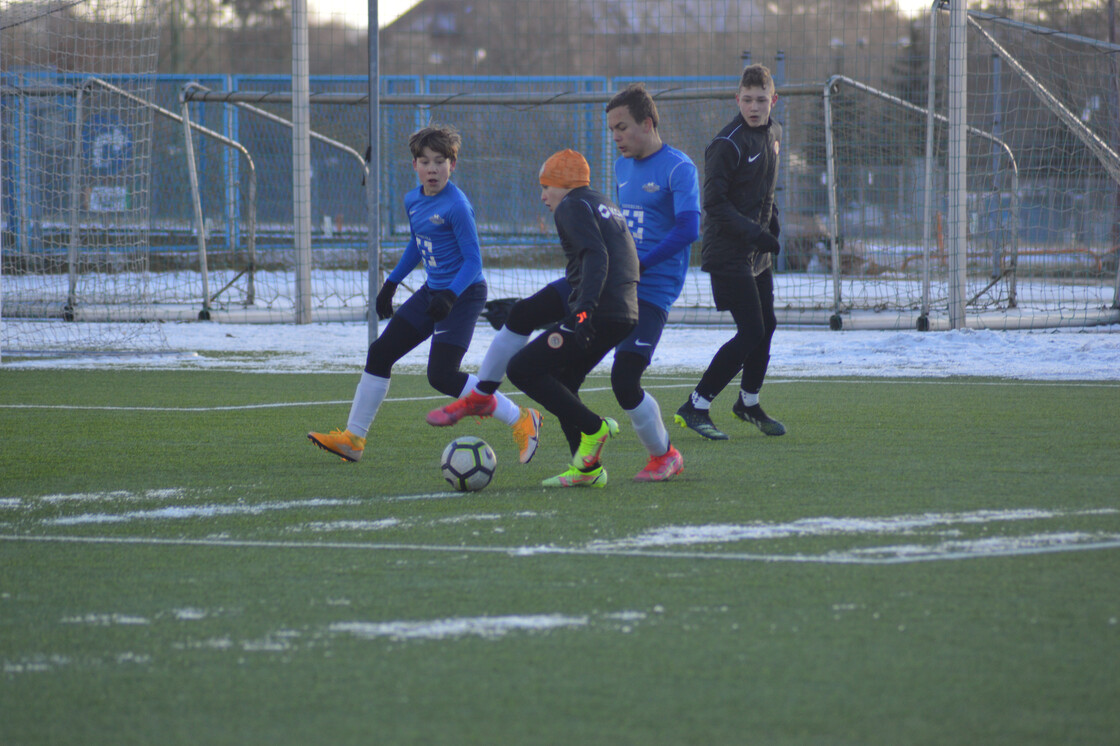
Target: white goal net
x: 74, y: 205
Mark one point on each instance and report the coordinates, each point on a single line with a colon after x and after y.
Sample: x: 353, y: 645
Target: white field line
x: 1110, y: 542
x: 685, y: 383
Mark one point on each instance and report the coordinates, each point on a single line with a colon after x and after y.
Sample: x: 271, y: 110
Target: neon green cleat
x: 591, y: 445
x: 573, y: 477
x: 342, y: 443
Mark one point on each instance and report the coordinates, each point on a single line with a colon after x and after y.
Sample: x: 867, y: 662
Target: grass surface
x: 918, y: 562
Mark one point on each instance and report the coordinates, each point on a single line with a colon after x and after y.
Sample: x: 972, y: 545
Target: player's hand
x: 384, y: 303
x: 578, y: 325
x: 440, y: 304
x: 767, y: 244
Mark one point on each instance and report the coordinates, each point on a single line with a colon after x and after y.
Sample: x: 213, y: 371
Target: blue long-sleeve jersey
x: 660, y: 197
x: 444, y: 239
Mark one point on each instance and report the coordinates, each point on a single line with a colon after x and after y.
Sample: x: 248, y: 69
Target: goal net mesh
x: 76, y: 175
x: 99, y: 213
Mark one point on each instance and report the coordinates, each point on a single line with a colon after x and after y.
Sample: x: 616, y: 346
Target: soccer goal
x: 1042, y: 237
x: 92, y: 220
x: 75, y: 184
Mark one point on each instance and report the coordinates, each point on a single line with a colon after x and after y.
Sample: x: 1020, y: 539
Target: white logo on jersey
x: 608, y: 212
x: 436, y: 219
x: 753, y: 158
x: 650, y: 187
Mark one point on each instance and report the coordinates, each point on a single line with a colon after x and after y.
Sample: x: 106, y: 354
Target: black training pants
x: 552, y: 367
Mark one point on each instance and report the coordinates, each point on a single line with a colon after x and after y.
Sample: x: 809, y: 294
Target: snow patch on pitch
x: 181, y: 512
x: 1000, y: 545
x: 938, y: 523
x: 489, y: 627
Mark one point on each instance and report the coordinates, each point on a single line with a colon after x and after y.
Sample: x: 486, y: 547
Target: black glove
x: 384, y: 303
x: 497, y: 311
x: 440, y: 304
x: 767, y: 244
x: 578, y: 324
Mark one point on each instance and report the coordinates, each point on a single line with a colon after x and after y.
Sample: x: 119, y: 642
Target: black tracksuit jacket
x: 740, y: 174
x: 602, y: 260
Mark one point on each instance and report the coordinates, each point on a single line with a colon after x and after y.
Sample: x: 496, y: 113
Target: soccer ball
x: 468, y: 463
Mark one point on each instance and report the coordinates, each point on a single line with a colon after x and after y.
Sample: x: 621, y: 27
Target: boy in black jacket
x: 740, y: 236
x: 602, y: 269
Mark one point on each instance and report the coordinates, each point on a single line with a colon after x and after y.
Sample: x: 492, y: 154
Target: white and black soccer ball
x: 468, y: 463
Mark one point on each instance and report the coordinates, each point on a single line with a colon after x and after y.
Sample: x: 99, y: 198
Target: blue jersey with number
x: 444, y: 239
x: 651, y: 192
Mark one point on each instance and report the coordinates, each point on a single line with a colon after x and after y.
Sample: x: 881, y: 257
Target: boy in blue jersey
x: 659, y: 194
x: 445, y: 308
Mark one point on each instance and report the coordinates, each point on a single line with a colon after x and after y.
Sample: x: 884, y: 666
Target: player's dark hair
x: 637, y: 101
x: 442, y: 138
x: 757, y: 76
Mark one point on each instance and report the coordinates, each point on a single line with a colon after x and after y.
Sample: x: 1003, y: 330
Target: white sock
x: 646, y: 419
x: 700, y: 402
x: 367, y: 400
x: 506, y: 344
x: 504, y: 409
x: 472, y: 381
x: 748, y: 399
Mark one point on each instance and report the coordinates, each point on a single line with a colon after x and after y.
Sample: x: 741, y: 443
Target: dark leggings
x: 751, y: 303
x: 543, y: 308
x: 400, y: 338
x: 552, y: 367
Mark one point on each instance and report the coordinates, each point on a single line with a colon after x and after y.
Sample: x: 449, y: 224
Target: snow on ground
x: 1054, y: 354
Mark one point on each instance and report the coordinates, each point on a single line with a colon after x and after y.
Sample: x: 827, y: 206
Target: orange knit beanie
x: 566, y: 169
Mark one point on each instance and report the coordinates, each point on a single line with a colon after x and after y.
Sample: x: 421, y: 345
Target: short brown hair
x: 757, y: 76
x: 637, y: 101
x: 442, y: 138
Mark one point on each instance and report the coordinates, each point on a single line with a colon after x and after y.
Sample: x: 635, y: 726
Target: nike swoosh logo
x: 640, y: 343
x: 623, y: 183
x: 438, y: 331
x: 565, y: 329
x: 753, y: 158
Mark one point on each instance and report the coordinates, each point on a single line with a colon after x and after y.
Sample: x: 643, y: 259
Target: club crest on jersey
x: 556, y: 340
x: 436, y: 219
x: 650, y: 187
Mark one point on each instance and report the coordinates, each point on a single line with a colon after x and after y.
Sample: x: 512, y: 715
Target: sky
x: 1091, y: 354
x: 356, y: 11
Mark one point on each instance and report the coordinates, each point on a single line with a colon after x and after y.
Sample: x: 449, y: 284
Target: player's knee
x: 378, y: 361
x: 446, y: 381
